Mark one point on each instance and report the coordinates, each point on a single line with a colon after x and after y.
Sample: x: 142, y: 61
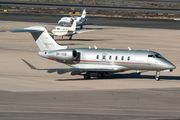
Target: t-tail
x: 42, y: 38
x: 73, y: 26
x: 83, y: 13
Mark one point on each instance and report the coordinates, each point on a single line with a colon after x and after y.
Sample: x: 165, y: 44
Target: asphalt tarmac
x: 110, y: 7
x: 26, y: 94
x: 103, y: 21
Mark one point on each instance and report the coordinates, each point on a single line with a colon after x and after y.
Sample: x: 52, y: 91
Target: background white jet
x: 67, y: 21
x: 69, y: 31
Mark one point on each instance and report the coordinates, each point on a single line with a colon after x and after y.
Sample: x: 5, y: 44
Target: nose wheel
x: 157, y: 76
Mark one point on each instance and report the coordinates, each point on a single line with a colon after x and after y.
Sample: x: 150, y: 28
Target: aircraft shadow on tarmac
x: 125, y: 76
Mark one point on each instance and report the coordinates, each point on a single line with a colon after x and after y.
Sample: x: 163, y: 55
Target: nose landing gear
x: 157, y: 76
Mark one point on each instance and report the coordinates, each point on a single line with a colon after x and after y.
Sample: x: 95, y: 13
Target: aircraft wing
x: 88, y: 23
x: 65, y: 70
x: 80, y: 30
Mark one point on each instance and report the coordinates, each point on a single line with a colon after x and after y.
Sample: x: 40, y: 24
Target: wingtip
x: 31, y: 66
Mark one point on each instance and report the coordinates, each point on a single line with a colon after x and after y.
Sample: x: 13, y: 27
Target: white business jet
x: 69, y: 31
x: 69, y: 20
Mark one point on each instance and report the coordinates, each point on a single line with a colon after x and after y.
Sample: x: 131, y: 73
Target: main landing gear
x: 87, y: 75
x: 70, y: 38
x: 81, y: 27
x: 157, y: 76
x: 100, y: 75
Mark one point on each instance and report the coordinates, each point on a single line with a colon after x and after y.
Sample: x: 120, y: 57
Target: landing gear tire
x: 157, y: 76
x: 87, y: 75
x: 70, y: 38
x: 100, y: 75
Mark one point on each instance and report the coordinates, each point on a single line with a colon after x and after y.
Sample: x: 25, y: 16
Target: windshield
x: 155, y: 56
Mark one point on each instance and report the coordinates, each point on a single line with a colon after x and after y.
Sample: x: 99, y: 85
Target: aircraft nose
x: 170, y: 66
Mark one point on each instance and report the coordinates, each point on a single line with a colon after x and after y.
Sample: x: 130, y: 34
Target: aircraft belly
x: 140, y: 66
x: 100, y: 66
x: 91, y: 66
x: 59, y: 33
x: 145, y: 66
x: 69, y: 33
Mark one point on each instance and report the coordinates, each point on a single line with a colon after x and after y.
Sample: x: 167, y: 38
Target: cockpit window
x: 151, y: 56
x: 158, y: 56
x: 155, y: 56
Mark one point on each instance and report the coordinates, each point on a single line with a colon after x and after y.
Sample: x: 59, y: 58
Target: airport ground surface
x: 36, y: 95
x: 97, y: 20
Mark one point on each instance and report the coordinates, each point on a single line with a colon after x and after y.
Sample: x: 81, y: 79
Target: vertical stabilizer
x: 42, y: 38
x: 83, y: 13
x: 73, y: 26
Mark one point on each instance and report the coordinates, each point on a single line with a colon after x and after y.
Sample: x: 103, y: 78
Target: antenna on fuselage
x: 129, y: 48
x: 95, y: 47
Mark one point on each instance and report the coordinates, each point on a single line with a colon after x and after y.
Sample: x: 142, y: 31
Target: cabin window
x: 128, y: 58
x: 97, y: 57
x: 122, y: 58
x: 110, y: 57
x: 58, y: 28
x: 116, y: 58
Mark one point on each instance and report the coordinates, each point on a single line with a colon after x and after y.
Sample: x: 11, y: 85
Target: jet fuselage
x: 115, y: 59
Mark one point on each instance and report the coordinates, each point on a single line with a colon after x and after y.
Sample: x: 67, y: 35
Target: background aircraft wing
x: 91, y: 23
x: 82, y: 30
x: 78, y: 31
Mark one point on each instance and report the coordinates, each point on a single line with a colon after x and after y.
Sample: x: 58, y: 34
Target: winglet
x: 31, y: 66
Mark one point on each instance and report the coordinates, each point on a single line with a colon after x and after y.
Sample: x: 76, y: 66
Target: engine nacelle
x: 65, y: 55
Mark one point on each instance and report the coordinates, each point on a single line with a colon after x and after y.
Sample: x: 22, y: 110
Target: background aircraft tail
x: 73, y: 26
x: 42, y: 38
x: 83, y: 13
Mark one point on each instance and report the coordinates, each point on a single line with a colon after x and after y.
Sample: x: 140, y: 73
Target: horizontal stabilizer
x: 26, y: 30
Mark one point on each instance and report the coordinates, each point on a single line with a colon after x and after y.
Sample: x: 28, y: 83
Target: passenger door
x: 104, y: 57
